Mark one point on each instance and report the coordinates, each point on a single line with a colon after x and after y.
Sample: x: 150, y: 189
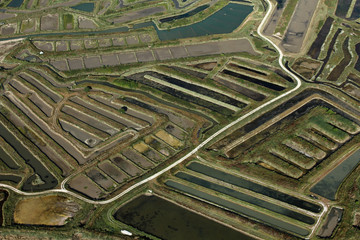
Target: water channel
x: 329, y: 185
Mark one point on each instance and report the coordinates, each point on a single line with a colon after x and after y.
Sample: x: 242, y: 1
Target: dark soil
x: 315, y: 48
x: 254, y: 80
x: 357, y: 64
x: 337, y: 71
x: 328, y: 54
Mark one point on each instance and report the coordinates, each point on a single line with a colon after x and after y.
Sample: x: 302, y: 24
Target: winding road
x: 196, y: 149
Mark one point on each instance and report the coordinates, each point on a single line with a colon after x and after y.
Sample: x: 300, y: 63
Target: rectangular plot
x: 331, y: 132
x: 185, y: 94
x: 246, y: 198
x: 62, y: 46
x: 293, y: 157
x: 76, y: 44
x: 106, y: 42
x: 181, y: 121
x: 274, y: 163
x: 131, y: 40
x: 343, y: 8
x: 145, y: 38
x: 60, y: 65
x: 162, y: 54
x: 41, y: 104
x: 45, y: 90
x: 178, y: 52
x: 298, y: 27
x: 129, y: 111
x: 259, y: 82
x: 154, y: 155
x: 118, y: 41
x: 343, y: 123
x: 169, y: 139
x: 252, y: 186
x: 105, y: 113
x: 110, y: 60
x: 99, y: 178
x: 137, y: 158
x: 68, y: 146
x: 126, y: 166
x: 89, y: 120
x: 112, y: 171
x: 21, y: 88
x: 85, y: 186
x: 92, y: 62
x: 75, y: 63
x: 175, y: 131
x: 49, y: 78
x: 144, y: 56
x: 264, y: 218
x: 240, y: 89
x: 159, y: 146
x: 200, y: 89
x: 315, y: 48
x: 125, y: 58
x: 203, y: 49
x: 304, y: 147
x: 32, y: 160
x: 5, y: 157
x: 312, y: 136
x: 80, y: 134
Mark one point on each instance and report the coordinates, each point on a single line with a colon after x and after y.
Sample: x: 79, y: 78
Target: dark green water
x: 247, y: 198
x: 241, y: 210
x: 223, y: 21
x: 243, y: 183
x: 167, y: 220
x: 85, y: 7
x: 329, y: 185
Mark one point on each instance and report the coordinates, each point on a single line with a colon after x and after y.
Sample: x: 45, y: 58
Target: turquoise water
x: 223, y: 21
x: 329, y: 185
x: 15, y: 3
x: 85, y: 7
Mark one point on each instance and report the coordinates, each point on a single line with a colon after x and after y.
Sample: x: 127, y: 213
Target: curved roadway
x: 280, y: 60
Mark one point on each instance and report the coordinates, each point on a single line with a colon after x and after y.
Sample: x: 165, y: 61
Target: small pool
x: 85, y: 7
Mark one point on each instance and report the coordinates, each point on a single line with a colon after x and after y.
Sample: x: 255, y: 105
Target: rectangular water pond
x: 223, y: 21
x: 167, y: 220
x: 329, y: 185
x: 252, y: 186
x: 85, y: 7
x: 15, y: 3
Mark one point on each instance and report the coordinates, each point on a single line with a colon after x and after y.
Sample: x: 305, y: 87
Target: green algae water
x: 223, y: 21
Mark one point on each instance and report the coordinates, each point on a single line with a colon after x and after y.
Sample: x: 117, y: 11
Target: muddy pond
x: 167, y: 220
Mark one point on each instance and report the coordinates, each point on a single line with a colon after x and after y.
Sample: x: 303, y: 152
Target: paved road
x: 196, y: 149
